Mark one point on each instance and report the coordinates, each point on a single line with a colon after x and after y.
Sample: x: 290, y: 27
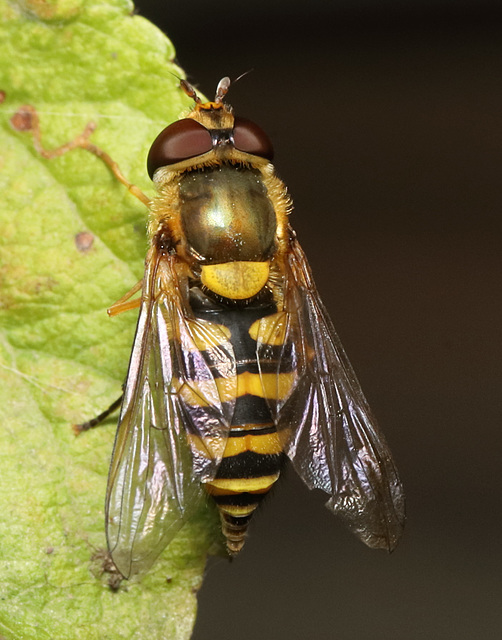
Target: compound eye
x: 248, y: 137
x: 179, y: 141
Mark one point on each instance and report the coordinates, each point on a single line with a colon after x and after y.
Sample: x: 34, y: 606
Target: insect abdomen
x: 250, y: 466
x: 253, y: 456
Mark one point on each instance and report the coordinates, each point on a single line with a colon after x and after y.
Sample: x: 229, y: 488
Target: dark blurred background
x: 387, y: 123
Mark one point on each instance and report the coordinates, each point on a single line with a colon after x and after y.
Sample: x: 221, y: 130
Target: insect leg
x: 124, y: 304
x: 26, y: 119
x: 90, y: 424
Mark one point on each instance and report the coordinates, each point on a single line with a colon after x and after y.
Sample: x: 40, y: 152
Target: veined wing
x: 330, y: 434
x: 173, y: 424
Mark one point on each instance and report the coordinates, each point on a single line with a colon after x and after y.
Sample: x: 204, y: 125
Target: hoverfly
x: 235, y: 365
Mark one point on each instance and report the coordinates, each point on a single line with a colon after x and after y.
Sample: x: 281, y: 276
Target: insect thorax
x: 226, y: 214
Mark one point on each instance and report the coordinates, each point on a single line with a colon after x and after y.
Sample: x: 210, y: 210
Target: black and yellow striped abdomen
x: 253, y: 455
x: 250, y: 466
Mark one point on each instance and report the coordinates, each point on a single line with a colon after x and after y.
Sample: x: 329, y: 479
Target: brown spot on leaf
x: 3, y: 95
x: 22, y: 120
x: 84, y: 241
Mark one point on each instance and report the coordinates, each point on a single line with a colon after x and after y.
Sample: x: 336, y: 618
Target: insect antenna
x: 242, y: 75
x: 224, y: 86
x: 190, y: 90
x: 222, y: 89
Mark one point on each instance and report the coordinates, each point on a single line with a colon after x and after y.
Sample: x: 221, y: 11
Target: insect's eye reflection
x: 187, y: 138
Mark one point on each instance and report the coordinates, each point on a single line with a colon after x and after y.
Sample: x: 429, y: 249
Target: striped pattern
x: 253, y: 457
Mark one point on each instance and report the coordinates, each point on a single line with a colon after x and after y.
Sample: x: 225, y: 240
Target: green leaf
x: 62, y: 360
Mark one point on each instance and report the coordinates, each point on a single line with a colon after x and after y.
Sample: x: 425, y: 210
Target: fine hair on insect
x: 235, y: 366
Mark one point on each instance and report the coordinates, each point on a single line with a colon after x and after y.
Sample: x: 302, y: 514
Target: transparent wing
x: 173, y: 424
x: 328, y: 430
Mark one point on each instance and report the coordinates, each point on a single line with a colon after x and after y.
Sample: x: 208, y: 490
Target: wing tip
x: 377, y: 529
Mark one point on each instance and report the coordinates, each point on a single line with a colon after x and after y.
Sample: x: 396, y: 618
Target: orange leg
x: 26, y: 119
x: 124, y: 304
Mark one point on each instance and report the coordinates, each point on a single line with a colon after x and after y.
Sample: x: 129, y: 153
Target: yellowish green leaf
x: 72, y: 241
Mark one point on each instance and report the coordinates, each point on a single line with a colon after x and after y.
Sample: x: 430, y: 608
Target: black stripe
x: 251, y: 410
x: 258, y: 431
x: 237, y: 521
x: 239, y: 499
x: 274, y: 359
x: 249, y: 464
x: 248, y: 366
x: 271, y: 362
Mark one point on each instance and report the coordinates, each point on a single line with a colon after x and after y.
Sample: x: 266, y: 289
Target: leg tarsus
x: 91, y: 424
x: 117, y: 308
